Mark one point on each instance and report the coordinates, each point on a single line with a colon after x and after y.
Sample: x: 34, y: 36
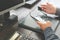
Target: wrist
x: 55, y: 9
x: 44, y: 28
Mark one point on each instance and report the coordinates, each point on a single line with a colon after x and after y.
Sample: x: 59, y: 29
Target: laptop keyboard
x: 26, y: 37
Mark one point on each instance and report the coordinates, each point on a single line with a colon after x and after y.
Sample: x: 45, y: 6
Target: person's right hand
x: 48, y: 8
x: 45, y: 25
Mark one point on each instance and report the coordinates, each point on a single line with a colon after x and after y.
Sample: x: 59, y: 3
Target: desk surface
x: 29, y: 22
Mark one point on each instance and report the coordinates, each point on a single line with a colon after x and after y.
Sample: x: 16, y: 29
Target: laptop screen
x: 5, y: 4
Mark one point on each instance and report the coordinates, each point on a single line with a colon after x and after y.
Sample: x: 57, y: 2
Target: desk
x: 29, y: 23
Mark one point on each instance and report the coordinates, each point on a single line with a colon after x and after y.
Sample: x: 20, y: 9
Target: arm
x: 50, y: 35
x: 58, y: 11
x: 50, y: 9
x: 48, y: 32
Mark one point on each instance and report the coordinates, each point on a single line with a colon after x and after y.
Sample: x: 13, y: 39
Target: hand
x: 49, y: 8
x: 44, y: 26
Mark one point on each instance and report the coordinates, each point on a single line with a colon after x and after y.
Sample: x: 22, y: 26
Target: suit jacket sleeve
x: 50, y: 35
x: 58, y: 12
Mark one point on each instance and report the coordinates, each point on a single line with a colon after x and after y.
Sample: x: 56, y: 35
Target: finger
x: 49, y: 4
x: 39, y: 23
x: 43, y: 5
x: 48, y: 22
x: 47, y: 11
x: 43, y: 8
x: 46, y: 6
